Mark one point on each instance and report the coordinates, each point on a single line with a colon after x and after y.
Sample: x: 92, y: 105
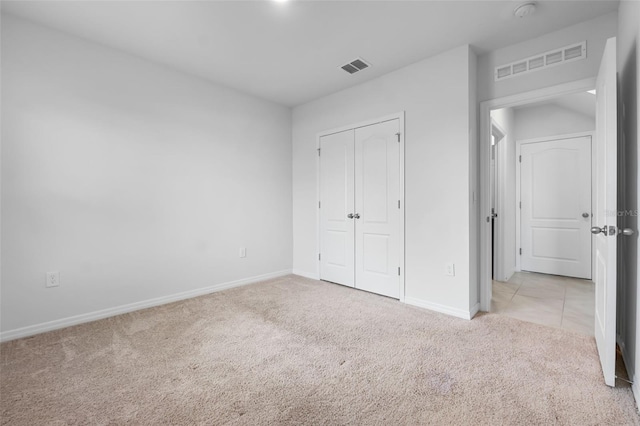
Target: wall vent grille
x: 573, y: 52
x: 356, y: 65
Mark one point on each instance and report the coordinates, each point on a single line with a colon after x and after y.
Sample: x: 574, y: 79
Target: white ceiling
x: 290, y: 53
x: 582, y: 103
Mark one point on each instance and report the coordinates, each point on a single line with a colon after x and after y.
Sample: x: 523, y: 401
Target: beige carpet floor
x: 297, y: 351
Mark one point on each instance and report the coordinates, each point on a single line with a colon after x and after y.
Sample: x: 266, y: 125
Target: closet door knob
x: 350, y: 215
x: 357, y: 216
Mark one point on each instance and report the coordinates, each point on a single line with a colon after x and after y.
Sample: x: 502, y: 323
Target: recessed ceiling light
x: 281, y: 1
x: 593, y: 92
x: 524, y: 10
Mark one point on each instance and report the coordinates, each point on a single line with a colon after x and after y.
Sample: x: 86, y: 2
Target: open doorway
x: 605, y: 230
x: 541, y: 211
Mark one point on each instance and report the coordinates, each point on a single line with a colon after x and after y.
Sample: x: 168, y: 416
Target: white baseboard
x: 509, y: 274
x: 474, y: 310
x: 123, y: 309
x: 460, y: 313
x: 313, y: 276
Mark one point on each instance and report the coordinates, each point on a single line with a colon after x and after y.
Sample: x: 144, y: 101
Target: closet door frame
x: 400, y: 117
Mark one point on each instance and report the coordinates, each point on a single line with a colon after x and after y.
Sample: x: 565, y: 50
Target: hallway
x: 551, y: 300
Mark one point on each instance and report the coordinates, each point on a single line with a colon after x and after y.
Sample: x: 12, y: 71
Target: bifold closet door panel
x: 377, y: 195
x: 337, y: 203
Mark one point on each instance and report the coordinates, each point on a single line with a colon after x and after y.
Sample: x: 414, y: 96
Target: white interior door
x: 337, y: 203
x: 605, y: 217
x: 377, y: 190
x: 555, y: 191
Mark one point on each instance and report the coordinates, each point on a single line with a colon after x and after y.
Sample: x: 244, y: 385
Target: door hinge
x: 520, y: 251
x: 520, y: 204
x: 318, y: 152
x: 318, y: 256
x: 520, y: 158
x: 398, y: 135
x: 398, y: 203
x: 398, y: 271
x: 318, y: 204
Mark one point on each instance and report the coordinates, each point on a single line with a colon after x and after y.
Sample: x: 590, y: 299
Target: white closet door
x: 377, y: 191
x: 337, y: 203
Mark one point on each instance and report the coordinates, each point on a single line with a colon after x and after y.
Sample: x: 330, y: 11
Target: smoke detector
x: 524, y: 10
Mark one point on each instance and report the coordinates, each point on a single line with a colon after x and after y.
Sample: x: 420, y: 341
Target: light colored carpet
x: 298, y: 351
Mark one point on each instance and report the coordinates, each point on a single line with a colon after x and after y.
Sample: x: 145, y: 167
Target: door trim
x: 499, y: 231
x: 519, y: 144
x: 485, y: 165
x: 397, y: 116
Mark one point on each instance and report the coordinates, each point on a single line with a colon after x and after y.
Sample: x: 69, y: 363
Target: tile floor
x: 551, y: 300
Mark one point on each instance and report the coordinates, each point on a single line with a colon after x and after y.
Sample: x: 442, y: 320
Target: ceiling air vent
x: 520, y: 67
x: 548, y: 59
x: 503, y: 72
x: 536, y: 62
x: 573, y: 52
x: 553, y: 58
x: 354, y: 66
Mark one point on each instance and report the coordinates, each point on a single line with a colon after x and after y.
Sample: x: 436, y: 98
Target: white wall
x: 628, y: 44
x: 133, y: 180
x: 550, y: 120
x: 507, y: 186
x: 595, y: 32
x: 435, y: 95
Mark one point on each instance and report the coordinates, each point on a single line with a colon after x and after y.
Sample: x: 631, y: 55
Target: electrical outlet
x: 53, y: 279
x: 451, y: 269
x: 243, y: 252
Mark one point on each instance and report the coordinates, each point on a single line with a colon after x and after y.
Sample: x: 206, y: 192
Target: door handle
x: 606, y: 230
x: 585, y: 215
x: 626, y: 231
x: 357, y: 216
x: 350, y: 215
